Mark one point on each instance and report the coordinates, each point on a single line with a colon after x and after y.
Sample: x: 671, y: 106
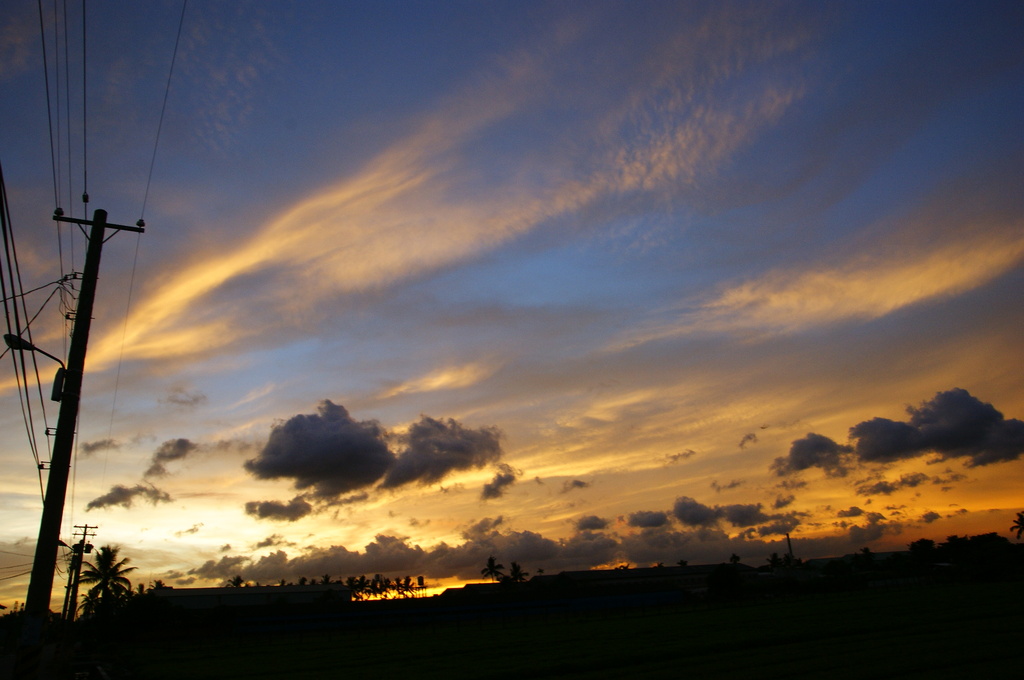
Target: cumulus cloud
x: 647, y: 519
x: 293, y: 510
x: 747, y: 515
x: 886, y: 488
x: 503, y: 478
x: 120, y: 495
x: 170, y: 450
x: 572, y: 484
x: 813, y: 450
x: 271, y: 541
x: 673, y: 458
x: 872, y: 531
x: 725, y: 487
x: 99, y: 445
x: 435, y: 448
x: 194, y: 529
x: 694, y: 513
x: 181, y: 398
x: 954, y: 424
x: 748, y: 438
x: 327, y: 452
x: 591, y: 523
x: 852, y: 511
x: 783, y: 501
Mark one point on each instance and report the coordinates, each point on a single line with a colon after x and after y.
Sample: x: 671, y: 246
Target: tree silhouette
x: 111, y: 587
x: 493, y: 570
x: 516, y: 573
x: 236, y: 581
x: 1018, y: 525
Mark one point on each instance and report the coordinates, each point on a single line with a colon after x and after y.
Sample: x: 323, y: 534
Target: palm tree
x: 516, y: 573
x: 1018, y: 525
x: 111, y: 588
x: 493, y: 570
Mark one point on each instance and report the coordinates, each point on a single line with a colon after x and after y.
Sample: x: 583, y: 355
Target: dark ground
x: 936, y: 631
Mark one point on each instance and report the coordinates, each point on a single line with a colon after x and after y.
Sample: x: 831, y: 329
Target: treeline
x: 377, y: 588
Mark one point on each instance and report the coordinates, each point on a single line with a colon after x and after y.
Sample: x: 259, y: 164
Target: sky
x: 573, y: 284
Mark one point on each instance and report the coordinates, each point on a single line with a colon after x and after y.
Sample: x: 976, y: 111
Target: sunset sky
x: 573, y: 284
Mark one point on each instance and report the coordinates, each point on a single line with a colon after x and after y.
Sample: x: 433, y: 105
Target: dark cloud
x: 872, y: 531
x: 748, y: 438
x: 125, y: 496
x: 953, y: 424
x: 779, y: 527
x: 329, y: 452
x: 435, y: 448
x: 885, y: 488
x: 271, y: 541
x: 679, y: 457
x: 293, y: 510
x: 194, y: 529
x: 88, y: 448
x: 591, y: 523
x: 930, y: 517
x: 647, y: 519
x: 814, y: 450
x: 504, y: 478
x: 744, y: 515
x: 181, y: 398
x: 719, y: 488
x: 585, y: 549
x: 172, y: 449
x: 485, y: 526
x: 783, y: 501
x: 852, y: 511
x: 569, y: 485
x: 694, y: 513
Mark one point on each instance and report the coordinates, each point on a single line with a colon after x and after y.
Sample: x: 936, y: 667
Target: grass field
x: 953, y: 631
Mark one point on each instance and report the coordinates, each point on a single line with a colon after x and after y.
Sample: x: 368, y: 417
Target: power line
x: 85, y: 128
x: 49, y: 110
x: 163, y: 109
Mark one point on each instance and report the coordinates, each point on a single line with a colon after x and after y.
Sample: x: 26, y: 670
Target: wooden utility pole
x: 40, y: 586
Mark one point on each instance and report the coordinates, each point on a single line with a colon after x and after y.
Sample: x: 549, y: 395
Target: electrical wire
x: 49, y: 110
x: 11, y: 311
x: 8, y: 578
x: 85, y: 108
x: 163, y: 109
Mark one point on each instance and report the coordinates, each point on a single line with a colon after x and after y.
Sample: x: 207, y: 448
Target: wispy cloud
x: 449, y: 377
x: 862, y: 288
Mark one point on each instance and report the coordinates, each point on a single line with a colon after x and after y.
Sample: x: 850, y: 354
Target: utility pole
x: 37, y: 601
x: 78, y: 552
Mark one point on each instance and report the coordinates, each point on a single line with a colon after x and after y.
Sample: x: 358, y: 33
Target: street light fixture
x: 19, y: 343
